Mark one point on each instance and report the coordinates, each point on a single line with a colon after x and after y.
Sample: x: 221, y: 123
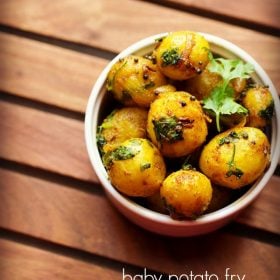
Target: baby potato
x: 182, y: 54
x: 165, y: 88
x: 120, y: 125
x: 236, y: 157
x: 133, y: 79
x: 176, y: 124
x: 259, y: 103
x: 202, y: 85
x: 186, y: 193
x: 135, y: 168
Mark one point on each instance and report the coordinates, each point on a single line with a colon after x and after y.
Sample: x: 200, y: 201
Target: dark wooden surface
x: 55, y: 220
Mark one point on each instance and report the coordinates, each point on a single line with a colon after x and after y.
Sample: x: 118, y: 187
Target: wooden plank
x: 47, y: 73
x: 254, y: 11
x: 18, y: 261
x: 263, y: 213
x: 86, y: 221
x: 44, y: 140
x: 102, y: 23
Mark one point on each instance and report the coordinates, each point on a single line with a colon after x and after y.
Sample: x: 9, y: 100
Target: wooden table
x: 56, y: 222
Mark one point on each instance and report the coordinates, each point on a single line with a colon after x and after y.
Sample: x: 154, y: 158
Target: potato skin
x: 140, y: 175
x: 190, y: 122
x: 236, y: 157
x: 187, y: 193
x: 182, y: 54
x: 133, y: 79
x: 122, y: 124
x: 259, y: 103
x: 202, y: 85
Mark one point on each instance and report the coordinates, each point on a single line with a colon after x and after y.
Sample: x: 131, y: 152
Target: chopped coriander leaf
x: 100, y: 139
x: 170, y: 129
x: 145, y: 166
x: 267, y: 113
x: 233, y: 170
x: 229, y: 138
x: 111, y: 83
x: 170, y: 57
x: 120, y: 153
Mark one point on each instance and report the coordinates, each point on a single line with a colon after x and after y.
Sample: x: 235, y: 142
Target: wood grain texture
x: 18, y: 261
x: 255, y: 11
x: 110, y: 25
x: 47, y: 73
x: 86, y: 221
x: 263, y: 213
x: 44, y: 140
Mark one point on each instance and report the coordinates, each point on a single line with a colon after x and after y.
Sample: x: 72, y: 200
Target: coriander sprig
x: 221, y: 100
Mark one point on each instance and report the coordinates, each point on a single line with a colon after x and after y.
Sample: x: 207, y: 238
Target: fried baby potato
x: 236, y: 157
x: 122, y: 124
x: 260, y: 105
x: 182, y: 55
x: 133, y: 79
x: 186, y: 193
x: 201, y: 86
x: 135, y: 168
x: 176, y: 124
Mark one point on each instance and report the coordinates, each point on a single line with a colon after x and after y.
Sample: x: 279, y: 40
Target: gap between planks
x: 205, y: 12
x: 62, y: 43
x: 103, y: 263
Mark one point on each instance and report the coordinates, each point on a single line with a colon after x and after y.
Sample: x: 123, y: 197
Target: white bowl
x: 147, y: 218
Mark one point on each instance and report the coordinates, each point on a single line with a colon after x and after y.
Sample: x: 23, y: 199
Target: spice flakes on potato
x: 176, y: 124
x: 236, y: 157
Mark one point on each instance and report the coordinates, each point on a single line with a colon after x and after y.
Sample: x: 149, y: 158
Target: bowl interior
x: 101, y: 104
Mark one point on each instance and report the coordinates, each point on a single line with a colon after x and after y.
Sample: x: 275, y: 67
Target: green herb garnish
x: 267, y: 113
x: 221, y: 100
x: 145, y: 166
x: 233, y: 170
x: 229, y: 139
x: 120, y: 153
x: 110, y: 83
x: 100, y: 139
x: 170, y: 129
x: 170, y: 57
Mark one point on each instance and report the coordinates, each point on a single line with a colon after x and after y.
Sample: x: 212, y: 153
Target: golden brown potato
x: 187, y: 193
x: 176, y: 124
x: 182, y: 54
x: 202, y: 85
x: 163, y: 89
x: 259, y: 103
x: 135, y: 168
x: 132, y: 81
x: 122, y: 124
x: 236, y: 157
